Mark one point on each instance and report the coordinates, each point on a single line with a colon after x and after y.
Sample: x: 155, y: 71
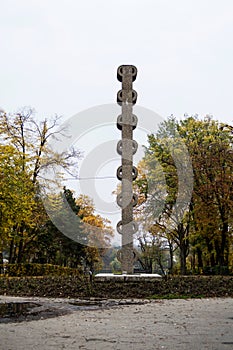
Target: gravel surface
x: 121, y: 324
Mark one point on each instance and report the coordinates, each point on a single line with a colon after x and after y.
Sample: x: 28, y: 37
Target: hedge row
x: 20, y: 270
x: 77, y: 287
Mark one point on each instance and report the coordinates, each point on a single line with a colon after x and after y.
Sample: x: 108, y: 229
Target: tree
x: 167, y: 184
x: 29, y: 142
x: 53, y: 246
x: 210, y: 147
x: 27, y: 232
x: 115, y: 265
x: 17, y: 202
x: 201, y: 226
x: 99, y: 232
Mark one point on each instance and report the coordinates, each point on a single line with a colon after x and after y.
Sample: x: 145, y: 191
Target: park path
x: 161, y: 324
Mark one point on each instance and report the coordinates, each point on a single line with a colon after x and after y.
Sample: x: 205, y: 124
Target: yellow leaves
x: 86, y: 206
x: 16, y: 191
x: 98, y: 229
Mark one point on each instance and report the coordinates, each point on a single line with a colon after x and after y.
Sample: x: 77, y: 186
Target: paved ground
x: 162, y: 324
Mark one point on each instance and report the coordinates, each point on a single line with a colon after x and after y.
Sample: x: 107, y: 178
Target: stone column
x: 127, y: 147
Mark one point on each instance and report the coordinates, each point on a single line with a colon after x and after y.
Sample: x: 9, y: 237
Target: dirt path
x: 162, y: 324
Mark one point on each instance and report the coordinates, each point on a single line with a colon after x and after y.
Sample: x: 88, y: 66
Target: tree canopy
x: 201, y: 228
x: 27, y: 233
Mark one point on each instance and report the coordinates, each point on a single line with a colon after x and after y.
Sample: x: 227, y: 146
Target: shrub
x: 29, y: 269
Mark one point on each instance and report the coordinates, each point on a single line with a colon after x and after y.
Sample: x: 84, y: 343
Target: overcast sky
x: 61, y: 56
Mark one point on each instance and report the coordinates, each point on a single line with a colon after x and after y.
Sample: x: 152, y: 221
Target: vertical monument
x: 127, y: 172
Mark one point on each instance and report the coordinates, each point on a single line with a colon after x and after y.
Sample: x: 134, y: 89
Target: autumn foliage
x: 199, y: 232
x: 27, y: 233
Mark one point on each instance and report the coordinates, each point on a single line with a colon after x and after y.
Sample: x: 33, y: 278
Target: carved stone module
x: 126, y: 173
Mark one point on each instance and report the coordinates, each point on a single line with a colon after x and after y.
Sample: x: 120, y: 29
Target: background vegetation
x: 197, y: 233
x: 175, y: 236
x: 27, y: 234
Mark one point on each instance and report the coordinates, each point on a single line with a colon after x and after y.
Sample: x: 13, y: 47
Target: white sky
x: 61, y: 56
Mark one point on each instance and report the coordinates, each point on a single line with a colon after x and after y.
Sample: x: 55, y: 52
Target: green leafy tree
x: 201, y: 228
x: 165, y: 206
x: 210, y: 147
x: 17, y: 201
x: 53, y: 246
x: 31, y: 153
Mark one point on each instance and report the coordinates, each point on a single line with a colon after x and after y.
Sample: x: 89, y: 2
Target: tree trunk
x: 11, y: 251
x: 223, y: 245
x: 171, y: 257
x: 184, y: 245
x: 211, y: 253
x: 20, y: 251
x: 1, y: 262
x: 199, y: 259
x: 182, y: 259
